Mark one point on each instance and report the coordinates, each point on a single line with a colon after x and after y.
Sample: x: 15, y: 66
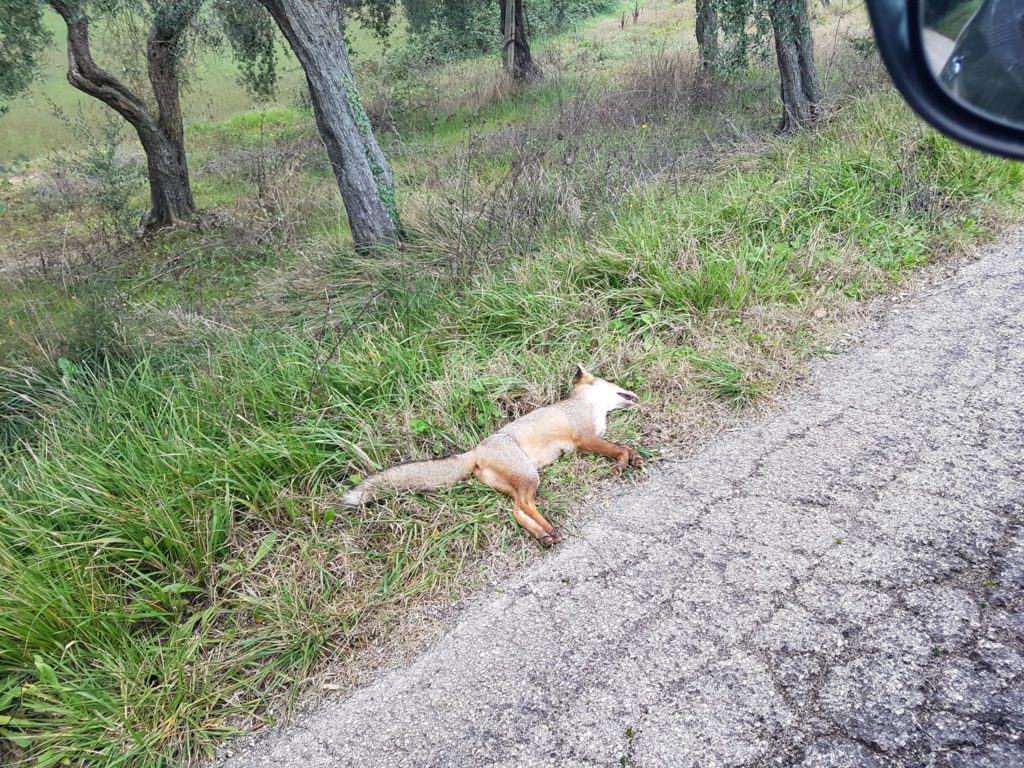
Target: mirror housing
x: 898, y: 29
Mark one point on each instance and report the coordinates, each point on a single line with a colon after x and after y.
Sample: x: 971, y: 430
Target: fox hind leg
x: 525, y: 498
x: 503, y: 466
x: 524, y: 510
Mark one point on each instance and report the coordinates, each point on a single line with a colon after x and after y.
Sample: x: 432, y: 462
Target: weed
x: 100, y: 177
x: 726, y: 381
x: 628, y: 758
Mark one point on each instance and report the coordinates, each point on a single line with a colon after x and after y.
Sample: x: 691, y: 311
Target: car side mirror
x: 960, y: 65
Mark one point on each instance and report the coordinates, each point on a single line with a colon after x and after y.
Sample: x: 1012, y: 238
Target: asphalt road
x: 840, y: 585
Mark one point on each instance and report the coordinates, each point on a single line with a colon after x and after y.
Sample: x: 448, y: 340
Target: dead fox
x: 509, y: 460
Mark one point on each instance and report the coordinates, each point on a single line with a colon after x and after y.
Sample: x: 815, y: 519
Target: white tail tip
x: 353, y: 498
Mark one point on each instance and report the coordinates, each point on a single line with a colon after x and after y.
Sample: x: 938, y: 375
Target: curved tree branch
x: 88, y: 77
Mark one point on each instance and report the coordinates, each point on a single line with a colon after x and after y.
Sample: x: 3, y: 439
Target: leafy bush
x: 101, y: 174
x: 456, y: 29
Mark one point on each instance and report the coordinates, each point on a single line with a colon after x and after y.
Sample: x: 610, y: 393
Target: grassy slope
x: 172, y: 547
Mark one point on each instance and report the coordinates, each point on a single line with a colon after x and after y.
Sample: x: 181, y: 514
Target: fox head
x: 601, y: 393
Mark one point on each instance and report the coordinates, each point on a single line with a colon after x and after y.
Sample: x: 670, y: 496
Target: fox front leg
x: 624, y: 455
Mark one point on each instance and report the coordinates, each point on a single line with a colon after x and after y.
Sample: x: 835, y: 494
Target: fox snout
x: 628, y: 399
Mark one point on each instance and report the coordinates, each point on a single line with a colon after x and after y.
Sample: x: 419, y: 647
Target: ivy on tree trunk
x: 313, y: 30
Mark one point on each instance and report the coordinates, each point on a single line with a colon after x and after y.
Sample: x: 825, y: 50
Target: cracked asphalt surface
x: 839, y: 585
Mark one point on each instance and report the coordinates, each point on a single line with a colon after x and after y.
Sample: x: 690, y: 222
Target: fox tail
x: 415, y: 476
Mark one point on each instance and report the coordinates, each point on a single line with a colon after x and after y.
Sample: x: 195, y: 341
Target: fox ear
x: 582, y: 375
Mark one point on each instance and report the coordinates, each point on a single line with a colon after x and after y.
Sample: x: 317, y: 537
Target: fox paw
x: 632, y: 459
x: 550, y: 539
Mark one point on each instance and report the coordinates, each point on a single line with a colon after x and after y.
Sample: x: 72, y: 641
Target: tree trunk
x: 516, y: 58
x: 170, y: 194
x: 313, y: 30
x: 794, y: 50
x: 707, y: 34
x: 162, y: 136
x: 805, y: 50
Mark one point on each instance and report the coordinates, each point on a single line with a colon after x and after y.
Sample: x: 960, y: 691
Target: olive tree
x: 22, y: 37
x: 466, y: 27
x: 787, y: 23
x: 794, y: 51
x: 314, y: 30
x: 156, y: 116
x: 706, y: 28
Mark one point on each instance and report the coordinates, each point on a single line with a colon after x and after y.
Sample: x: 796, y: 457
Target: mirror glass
x: 975, y: 49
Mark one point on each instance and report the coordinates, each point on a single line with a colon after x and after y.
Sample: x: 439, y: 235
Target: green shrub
x: 456, y: 29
